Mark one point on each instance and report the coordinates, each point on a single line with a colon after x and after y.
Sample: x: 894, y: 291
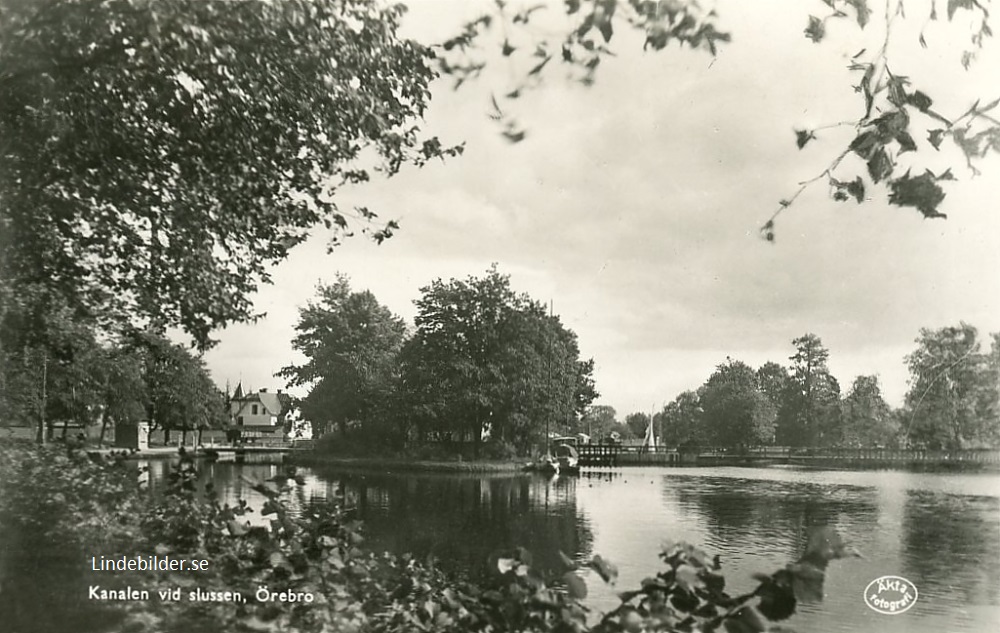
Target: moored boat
x: 567, y: 458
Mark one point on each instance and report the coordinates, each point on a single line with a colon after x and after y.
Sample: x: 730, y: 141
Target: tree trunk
x: 43, y: 427
x: 477, y: 436
x: 166, y: 437
x: 104, y: 426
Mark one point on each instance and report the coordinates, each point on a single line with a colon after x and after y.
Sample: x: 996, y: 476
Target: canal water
x: 940, y: 531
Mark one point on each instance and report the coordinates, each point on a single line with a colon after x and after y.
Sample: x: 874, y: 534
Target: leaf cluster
x: 887, y: 128
x: 157, y: 157
x: 583, y: 40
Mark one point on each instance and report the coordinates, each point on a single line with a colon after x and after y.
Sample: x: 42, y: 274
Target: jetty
x: 614, y: 455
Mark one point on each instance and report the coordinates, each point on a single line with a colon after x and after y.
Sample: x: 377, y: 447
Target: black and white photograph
x: 499, y: 316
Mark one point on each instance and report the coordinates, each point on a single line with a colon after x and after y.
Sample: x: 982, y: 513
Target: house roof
x: 275, y: 404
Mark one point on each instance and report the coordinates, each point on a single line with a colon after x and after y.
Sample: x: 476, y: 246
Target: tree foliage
x: 599, y: 422
x: 866, y: 418
x: 485, y: 360
x: 734, y: 411
x: 54, y: 369
x: 636, y: 423
x: 681, y: 422
x: 895, y: 113
x: 157, y: 157
x: 952, y: 401
x: 482, y: 361
x: 352, y: 346
x: 179, y: 390
x: 773, y: 380
x: 809, y: 412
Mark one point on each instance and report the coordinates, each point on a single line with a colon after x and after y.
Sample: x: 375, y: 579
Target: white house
x: 260, y: 414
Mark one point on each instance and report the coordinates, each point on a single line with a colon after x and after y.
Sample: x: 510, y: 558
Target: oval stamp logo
x: 890, y: 595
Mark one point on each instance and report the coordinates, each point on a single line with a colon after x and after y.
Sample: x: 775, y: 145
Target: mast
x: 548, y: 383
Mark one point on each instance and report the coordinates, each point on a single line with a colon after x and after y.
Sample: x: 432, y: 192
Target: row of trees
x: 481, y: 361
x: 57, y: 372
x: 953, y: 401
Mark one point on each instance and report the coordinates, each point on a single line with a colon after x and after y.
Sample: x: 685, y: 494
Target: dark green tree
x: 866, y: 419
x: 51, y: 364
x: 774, y: 382
x: 156, y: 157
x: 124, y: 390
x: 990, y: 402
x: 734, y: 410
x: 636, y: 423
x: 352, y: 345
x: 599, y: 421
x: 952, y: 390
x: 180, y: 393
x: 681, y: 421
x: 485, y: 360
x: 809, y: 412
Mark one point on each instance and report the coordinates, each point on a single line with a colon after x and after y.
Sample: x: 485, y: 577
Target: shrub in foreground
x: 310, y: 572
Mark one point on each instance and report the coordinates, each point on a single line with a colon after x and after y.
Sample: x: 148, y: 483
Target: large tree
x: 951, y: 401
x: 681, y: 421
x: 180, y: 393
x: 774, y: 382
x: 637, y: 423
x: 865, y: 417
x: 52, y: 366
x: 352, y: 344
x: 486, y: 360
x: 599, y: 422
x: 157, y: 156
x: 734, y: 410
x: 809, y: 412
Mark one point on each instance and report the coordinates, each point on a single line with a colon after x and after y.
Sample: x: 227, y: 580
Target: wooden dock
x: 610, y: 455
x: 613, y: 455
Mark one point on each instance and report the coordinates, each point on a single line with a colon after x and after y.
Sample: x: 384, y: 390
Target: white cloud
x: 634, y: 207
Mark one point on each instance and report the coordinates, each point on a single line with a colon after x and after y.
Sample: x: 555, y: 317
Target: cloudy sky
x: 634, y: 207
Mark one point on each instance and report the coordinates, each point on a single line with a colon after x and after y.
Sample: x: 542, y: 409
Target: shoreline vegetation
x: 316, y: 458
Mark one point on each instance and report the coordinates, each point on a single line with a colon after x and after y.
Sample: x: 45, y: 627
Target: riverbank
x: 313, y: 458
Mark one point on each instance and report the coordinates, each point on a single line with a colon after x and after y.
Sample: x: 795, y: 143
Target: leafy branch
x: 578, y: 47
x: 886, y: 130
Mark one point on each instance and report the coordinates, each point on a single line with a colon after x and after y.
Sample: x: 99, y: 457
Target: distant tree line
x: 482, y: 362
x: 953, y: 401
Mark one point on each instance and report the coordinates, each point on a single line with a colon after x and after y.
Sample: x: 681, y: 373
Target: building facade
x: 259, y: 414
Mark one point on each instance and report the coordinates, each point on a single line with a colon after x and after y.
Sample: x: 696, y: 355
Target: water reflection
x: 775, y: 515
x: 942, y: 531
x: 952, y: 546
x: 462, y: 520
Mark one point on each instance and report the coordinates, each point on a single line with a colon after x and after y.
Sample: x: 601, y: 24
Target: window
x: 253, y: 409
x: 239, y: 420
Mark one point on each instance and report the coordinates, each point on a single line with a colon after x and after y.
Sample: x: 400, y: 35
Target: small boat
x: 547, y: 465
x: 567, y: 459
x: 210, y: 453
